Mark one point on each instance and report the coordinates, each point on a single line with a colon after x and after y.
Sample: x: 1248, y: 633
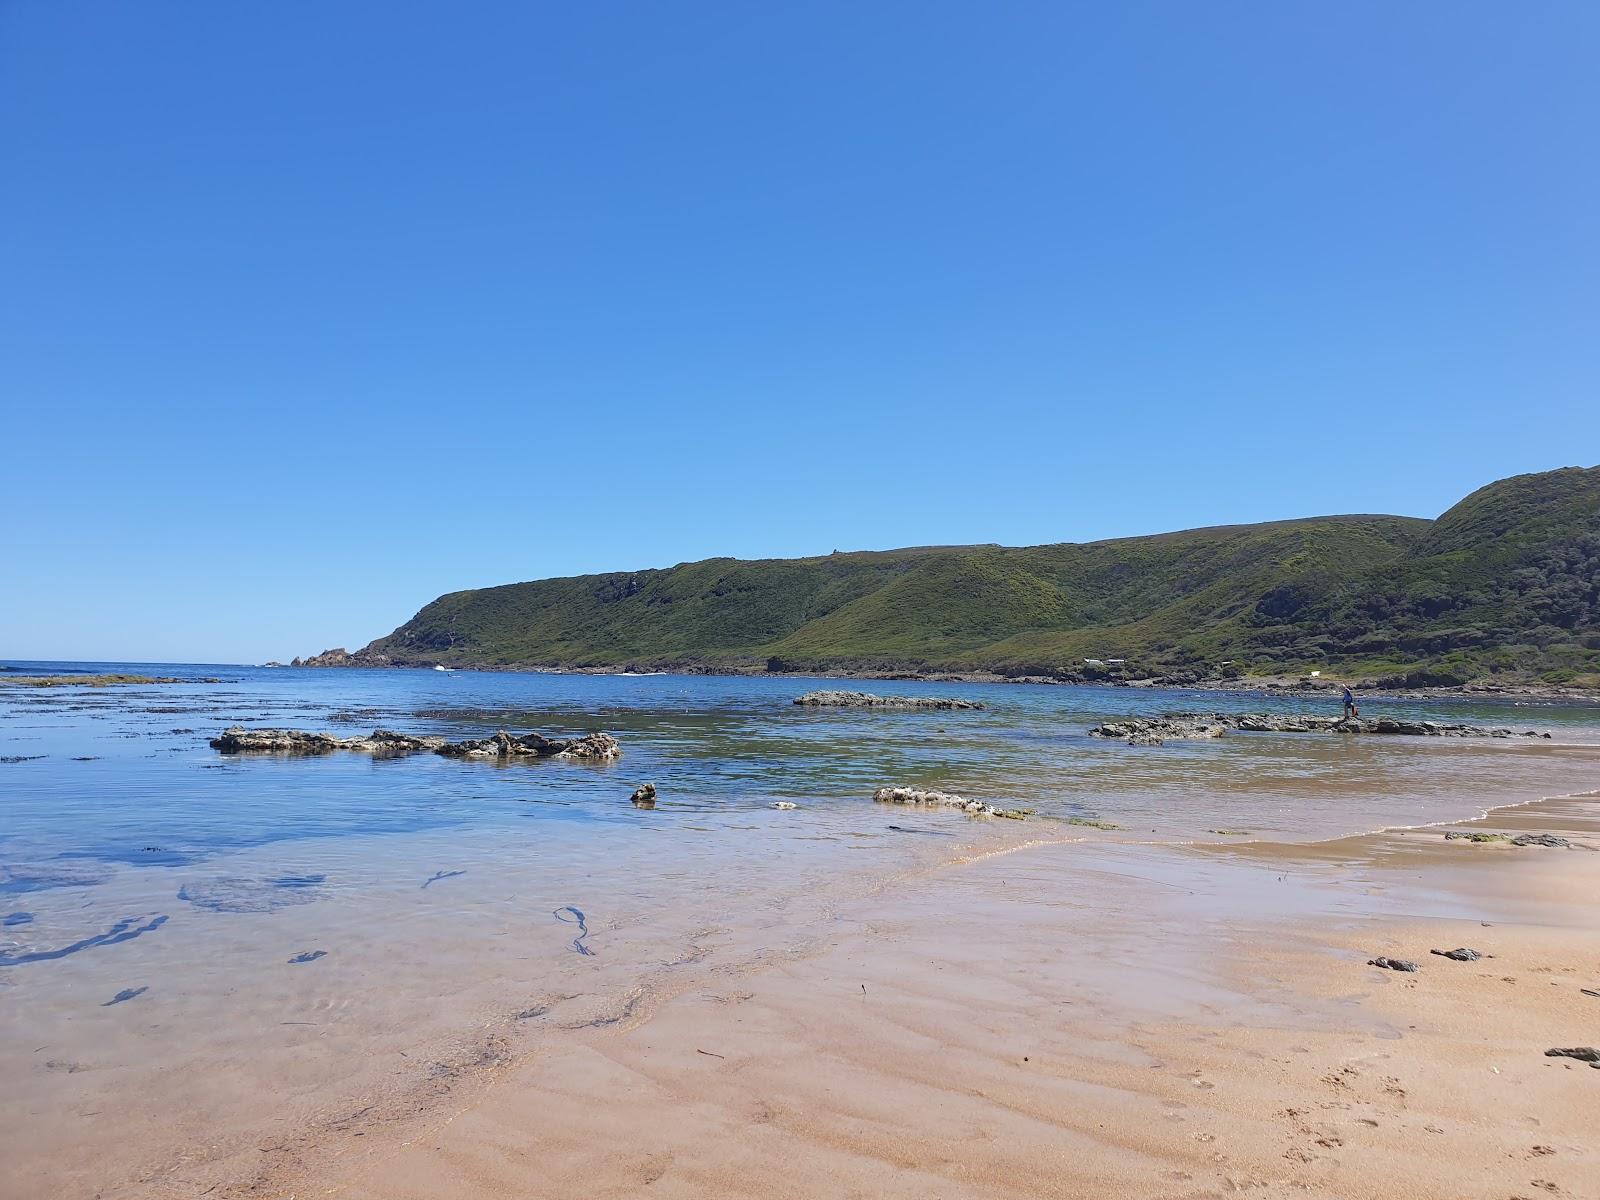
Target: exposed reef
x: 591, y: 747
x: 1152, y: 731
x: 928, y: 798
x: 868, y: 700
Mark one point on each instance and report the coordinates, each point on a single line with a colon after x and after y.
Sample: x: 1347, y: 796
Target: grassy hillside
x: 1507, y: 581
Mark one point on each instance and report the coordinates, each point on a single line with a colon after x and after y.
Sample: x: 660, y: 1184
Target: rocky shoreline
x: 1258, y: 685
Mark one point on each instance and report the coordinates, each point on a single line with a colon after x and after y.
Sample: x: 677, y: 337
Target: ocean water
x: 239, y: 941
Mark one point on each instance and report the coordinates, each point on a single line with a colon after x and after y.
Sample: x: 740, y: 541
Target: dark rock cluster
x: 868, y: 700
x: 591, y: 747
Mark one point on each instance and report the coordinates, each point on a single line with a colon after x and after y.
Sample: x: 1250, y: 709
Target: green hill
x: 1505, y: 583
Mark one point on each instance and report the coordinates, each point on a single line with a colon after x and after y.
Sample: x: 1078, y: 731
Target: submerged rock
x: 868, y: 700
x: 1460, y: 954
x: 238, y: 894
x: 785, y: 804
x: 644, y: 796
x: 1392, y: 964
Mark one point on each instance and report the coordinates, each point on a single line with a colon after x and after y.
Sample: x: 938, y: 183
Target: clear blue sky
x: 310, y: 312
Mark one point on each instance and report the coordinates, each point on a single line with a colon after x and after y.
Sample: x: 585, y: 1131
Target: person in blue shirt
x: 1350, y: 708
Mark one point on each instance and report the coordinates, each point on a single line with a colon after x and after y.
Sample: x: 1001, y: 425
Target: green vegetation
x: 1506, y: 584
x: 1092, y: 824
x: 45, y: 681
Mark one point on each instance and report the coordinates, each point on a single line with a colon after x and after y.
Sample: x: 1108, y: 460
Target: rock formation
x: 1152, y: 731
x: 239, y: 740
x: 644, y: 796
x: 1146, y: 731
x: 591, y: 747
x: 868, y: 700
x: 937, y: 799
x: 1392, y: 964
x: 340, y: 657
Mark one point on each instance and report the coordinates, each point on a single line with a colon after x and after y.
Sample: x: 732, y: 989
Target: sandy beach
x: 1062, y: 1020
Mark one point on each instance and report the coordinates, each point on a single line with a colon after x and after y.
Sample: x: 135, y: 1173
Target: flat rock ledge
x: 936, y: 799
x: 593, y: 747
x: 239, y: 740
x: 868, y: 700
x: 1152, y: 731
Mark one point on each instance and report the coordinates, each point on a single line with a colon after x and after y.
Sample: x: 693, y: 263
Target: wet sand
x: 1076, y: 1019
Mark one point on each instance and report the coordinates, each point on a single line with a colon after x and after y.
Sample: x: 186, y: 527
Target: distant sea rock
x: 868, y: 700
x: 340, y: 657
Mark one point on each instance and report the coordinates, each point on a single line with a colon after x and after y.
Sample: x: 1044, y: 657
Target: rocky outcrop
x: 1588, y: 1054
x: 1541, y: 839
x: 1392, y: 964
x: 239, y: 740
x: 868, y: 700
x: 936, y: 799
x: 644, y: 796
x: 1429, y: 729
x: 592, y: 747
x: 1150, y: 731
x: 340, y: 657
x: 1459, y: 954
x: 1521, y: 839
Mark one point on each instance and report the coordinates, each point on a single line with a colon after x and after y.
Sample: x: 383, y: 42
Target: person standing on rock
x: 1350, y: 709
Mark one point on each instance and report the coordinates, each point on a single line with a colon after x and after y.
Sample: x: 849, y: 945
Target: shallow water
x: 293, y: 931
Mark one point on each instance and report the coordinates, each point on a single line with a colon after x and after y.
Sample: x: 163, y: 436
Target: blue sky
x: 311, y: 312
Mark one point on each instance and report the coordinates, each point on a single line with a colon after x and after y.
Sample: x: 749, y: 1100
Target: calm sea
x: 223, y: 936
